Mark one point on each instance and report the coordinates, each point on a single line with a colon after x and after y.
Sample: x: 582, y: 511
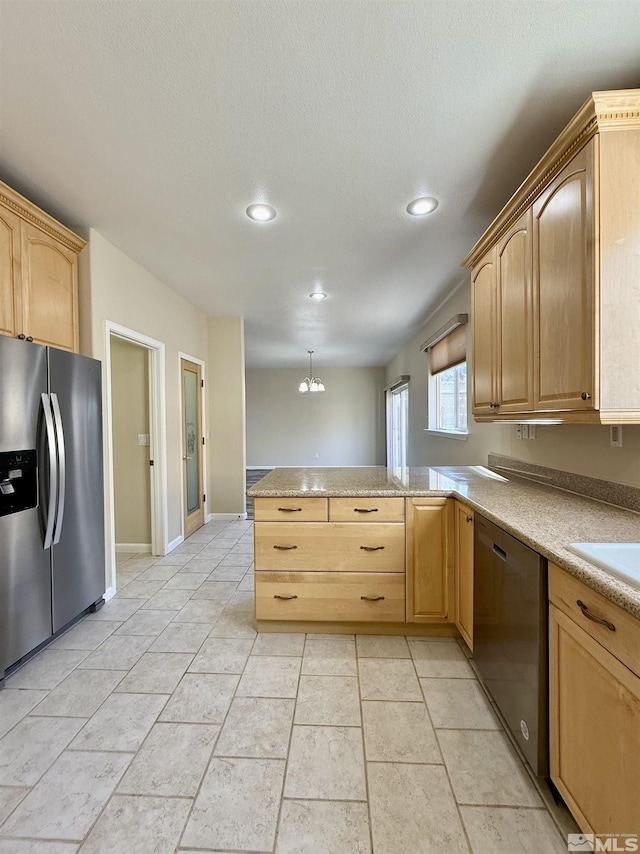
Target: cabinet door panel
x: 49, y: 282
x: 429, y: 561
x: 483, y: 313
x: 595, y: 730
x: 9, y: 283
x: 564, y: 288
x: 515, y: 319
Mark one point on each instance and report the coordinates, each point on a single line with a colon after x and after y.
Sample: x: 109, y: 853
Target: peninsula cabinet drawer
x: 366, y: 509
x: 331, y: 547
x: 290, y: 510
x: 596, y: 615
x: 328, y: 596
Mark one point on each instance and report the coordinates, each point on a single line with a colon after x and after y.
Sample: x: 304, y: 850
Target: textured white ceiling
x: 157, y: 123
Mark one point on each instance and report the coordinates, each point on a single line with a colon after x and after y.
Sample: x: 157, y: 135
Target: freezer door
x: 78, y: 564
x: 25, y: 572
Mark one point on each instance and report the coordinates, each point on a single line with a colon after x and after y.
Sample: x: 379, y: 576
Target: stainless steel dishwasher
x: 510, y: 638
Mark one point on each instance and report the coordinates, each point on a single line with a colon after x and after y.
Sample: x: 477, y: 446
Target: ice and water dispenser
x: 18, y: 481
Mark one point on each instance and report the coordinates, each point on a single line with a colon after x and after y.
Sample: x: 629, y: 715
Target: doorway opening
x: 397, y: 425
x: 135, y: 446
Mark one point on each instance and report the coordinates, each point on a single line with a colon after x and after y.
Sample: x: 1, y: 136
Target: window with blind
x: 447, y: 353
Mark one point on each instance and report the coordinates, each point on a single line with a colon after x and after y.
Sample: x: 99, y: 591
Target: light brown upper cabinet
x: 502, y: 320
x: 556, y: 279
x: 38, y: 274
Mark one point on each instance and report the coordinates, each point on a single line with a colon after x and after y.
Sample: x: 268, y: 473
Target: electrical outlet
x: 615, y: 435
x: 532, y: 431
x: 518, y: 431
x: 525, y: 431
x: 143, y: 438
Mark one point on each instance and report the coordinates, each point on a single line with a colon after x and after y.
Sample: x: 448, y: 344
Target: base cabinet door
x: 430, y: 560
x: 594, y: 730
x: 464, y: 572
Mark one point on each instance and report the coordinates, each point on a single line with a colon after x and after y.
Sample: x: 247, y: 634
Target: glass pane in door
x: 192, y: 447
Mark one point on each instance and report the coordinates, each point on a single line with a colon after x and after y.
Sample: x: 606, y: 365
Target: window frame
x: 433, y: 404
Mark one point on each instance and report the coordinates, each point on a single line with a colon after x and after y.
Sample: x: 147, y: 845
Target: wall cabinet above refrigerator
x: 38, y: 274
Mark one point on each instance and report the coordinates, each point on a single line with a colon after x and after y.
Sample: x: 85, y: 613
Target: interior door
x: 192, y: 444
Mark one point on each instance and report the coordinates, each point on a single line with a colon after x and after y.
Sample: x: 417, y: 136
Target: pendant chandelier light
x: 311, y: 383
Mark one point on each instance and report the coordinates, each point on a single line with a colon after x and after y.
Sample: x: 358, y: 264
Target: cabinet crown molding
x: 35, y: 215
x: 618, y: 109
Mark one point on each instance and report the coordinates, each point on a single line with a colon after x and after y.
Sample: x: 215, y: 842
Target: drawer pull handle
x: 590, y: 616
x: 285, y: 548
x: 372, y: 598
x: 372, y: 548
x: 289, y: 509
x: 279, y: 596
x: 365, y: 509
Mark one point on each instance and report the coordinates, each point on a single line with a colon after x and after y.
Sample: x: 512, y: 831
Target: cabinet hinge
x: 201, y: 383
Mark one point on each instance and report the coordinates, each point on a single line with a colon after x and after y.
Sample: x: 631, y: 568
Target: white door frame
x: 157, y: 440
x: 203, y: 411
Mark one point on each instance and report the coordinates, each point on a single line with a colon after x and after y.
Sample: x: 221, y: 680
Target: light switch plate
x: 615, y: 435
x: 525, y: 431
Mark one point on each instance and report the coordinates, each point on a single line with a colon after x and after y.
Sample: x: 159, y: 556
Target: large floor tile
x: 398, y: 732
x: 117, y: 610
x: 14, y: 705
x: 121, y: 723
x: 257, y: 727
x: 326, y: 763
x: 205, y: 563
x: 317, y: 827
x: 168, y: 600
x: 138, y: 590
x: 234, y: 626
x: 270, y: 676
x: 440, y: 658
x: 47, y: 669
x: 201, y: 698
x: 158, y: 573
x: 202, y: 611
x: 31, y: 748
x: 328, y: 701
x: 86, y: 635
x: 329, y: 657
x: 484, y: 770
x: 156, y: 673
x: 222, y: 655
x: 382, y: 646
x: 31, y: 846
x: 117, y: 653
x: 181, y: 637
x: 146, y: 623
x: 237, y: 807
x: 186, y: 581
x: 413, y: 810
x: 140, y: 825
x: 493, y: 830
x: 458, y: 704
x: 174, y: 559
x: 80, y: 695
x: 69, y: 798
x: 227, y: 573
x: 276, y: 643
x: 10, y: 797
x: 388, y: 679
x: 215, y: 591
x: 171, y: 761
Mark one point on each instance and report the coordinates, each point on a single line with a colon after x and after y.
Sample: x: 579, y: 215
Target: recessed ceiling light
x: 261, y: 213
x: 318, y: 295
x: 422, y: 206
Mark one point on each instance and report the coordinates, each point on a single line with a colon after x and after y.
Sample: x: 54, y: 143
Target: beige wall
x: 130, y: 416
x: 583, y: 449
x: 342, y: 427
x: 226, y: 415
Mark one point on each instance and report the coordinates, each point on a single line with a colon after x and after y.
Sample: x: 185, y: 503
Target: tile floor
x: 163, y: 723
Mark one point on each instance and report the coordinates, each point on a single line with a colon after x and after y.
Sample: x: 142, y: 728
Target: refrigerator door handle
x: 53, y: 470
x: 62, y: 463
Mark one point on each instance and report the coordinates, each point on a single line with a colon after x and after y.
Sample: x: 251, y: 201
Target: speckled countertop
x: 543, y: 517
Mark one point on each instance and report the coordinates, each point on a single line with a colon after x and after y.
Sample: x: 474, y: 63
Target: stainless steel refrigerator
x: 52, y: 565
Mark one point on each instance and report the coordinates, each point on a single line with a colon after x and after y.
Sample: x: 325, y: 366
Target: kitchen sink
x: 620, y: 559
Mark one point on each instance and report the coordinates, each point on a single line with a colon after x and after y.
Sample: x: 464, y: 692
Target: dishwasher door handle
x: 500, y: 552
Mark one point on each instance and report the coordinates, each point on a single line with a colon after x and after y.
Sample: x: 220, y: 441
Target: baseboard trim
x: 174, y: 544
x: 259, y: 468
x: 109, y: 593
x: 226, y: 517
x: 132, y: 548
